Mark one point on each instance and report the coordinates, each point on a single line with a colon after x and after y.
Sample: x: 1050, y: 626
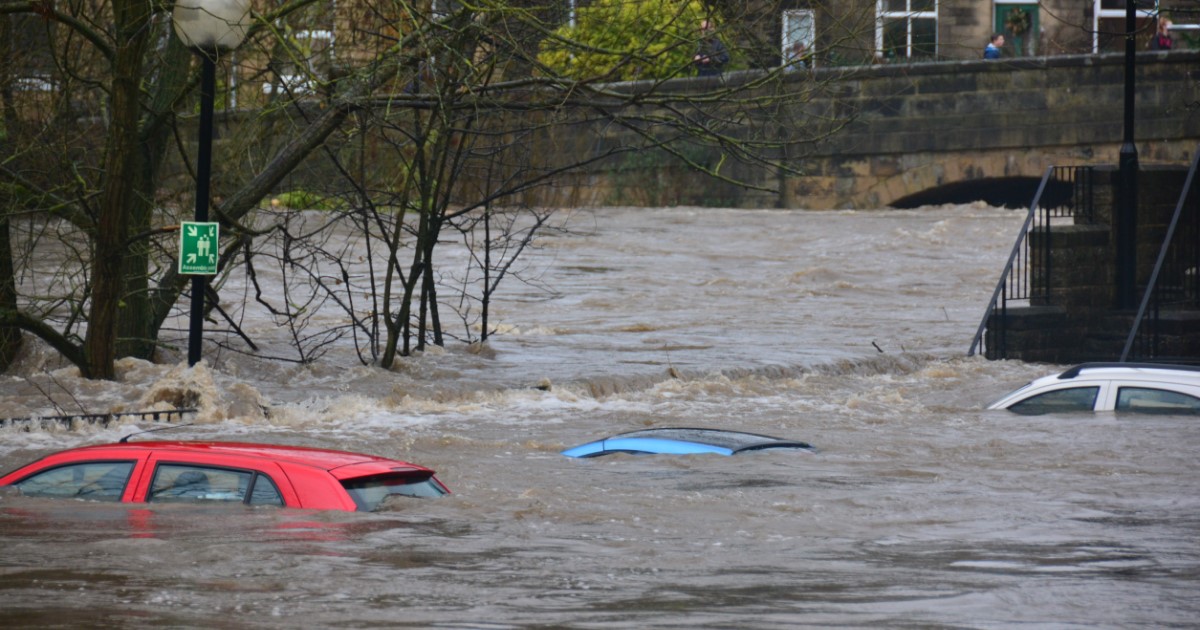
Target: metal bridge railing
x: 102, y: 419
x: 1065, y: 192
x: 1175, y: 281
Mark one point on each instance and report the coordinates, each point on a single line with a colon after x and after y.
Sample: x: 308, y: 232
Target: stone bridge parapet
x: 930, y: 126
x: 946, y: 132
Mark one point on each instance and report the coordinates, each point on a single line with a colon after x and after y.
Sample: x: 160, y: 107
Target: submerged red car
x: 226, y: 472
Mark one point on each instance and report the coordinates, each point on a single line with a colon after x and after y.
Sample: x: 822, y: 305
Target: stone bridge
x: 954, y: 132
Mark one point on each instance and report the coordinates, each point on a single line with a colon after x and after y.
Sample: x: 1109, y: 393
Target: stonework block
x: 961, y: 83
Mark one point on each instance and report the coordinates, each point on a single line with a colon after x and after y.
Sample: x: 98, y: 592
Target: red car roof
x: 325, y: 459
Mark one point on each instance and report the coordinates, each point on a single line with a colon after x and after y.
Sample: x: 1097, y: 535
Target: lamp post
x: 209, y: 28
x: 1128, y: 163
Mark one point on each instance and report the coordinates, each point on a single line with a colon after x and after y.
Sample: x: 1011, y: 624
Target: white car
x: 1128, y: 387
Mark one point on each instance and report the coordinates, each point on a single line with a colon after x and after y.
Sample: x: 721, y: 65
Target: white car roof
x: 1184, y: 374
x: 1165, y: 375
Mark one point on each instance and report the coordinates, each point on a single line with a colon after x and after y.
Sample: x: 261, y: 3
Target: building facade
x: 928, y: 30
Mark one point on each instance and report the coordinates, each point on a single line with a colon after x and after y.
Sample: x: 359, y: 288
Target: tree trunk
x: 120, y: 170
x: 393, y: 325
x: 10, y: 336
x: 8, y: 126
x: 137, y: 327
x: 430, y: 293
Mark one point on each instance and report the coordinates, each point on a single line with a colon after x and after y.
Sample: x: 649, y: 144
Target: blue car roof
x: 683, y: 441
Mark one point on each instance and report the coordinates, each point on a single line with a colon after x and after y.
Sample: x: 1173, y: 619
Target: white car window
x: 1058, y: 401
x: 1148, y: 400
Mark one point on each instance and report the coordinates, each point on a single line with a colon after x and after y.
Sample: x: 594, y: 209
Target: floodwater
x: 847, y: 330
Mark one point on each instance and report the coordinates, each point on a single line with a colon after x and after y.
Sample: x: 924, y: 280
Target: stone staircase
x: 1069, y: 316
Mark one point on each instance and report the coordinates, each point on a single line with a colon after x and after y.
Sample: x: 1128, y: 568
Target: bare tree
x: 432, y: 122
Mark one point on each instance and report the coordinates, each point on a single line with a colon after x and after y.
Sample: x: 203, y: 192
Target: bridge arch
x: 1004, y: 192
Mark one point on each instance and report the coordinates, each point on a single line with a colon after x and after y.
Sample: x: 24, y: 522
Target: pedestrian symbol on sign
x: 198, y: 248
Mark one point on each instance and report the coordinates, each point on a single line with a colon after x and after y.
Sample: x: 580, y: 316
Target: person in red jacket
x: 1162, y: 37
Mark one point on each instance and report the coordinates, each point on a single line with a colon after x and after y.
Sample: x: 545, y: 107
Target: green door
x: 1019, y: 23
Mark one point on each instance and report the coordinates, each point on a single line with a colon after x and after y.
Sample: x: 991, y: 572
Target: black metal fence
x: 1172, y: 293
x: 1066, y: 193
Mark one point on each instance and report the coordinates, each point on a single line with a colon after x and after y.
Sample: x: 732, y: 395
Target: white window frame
x: 797, y: 25
x: 882, y: 14
x: 1099, y: 13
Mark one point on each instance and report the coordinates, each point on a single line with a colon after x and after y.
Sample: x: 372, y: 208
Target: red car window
x: 263, y: 491
x: 99, y: 481
x: 186, y: 483
x: 370, y: 492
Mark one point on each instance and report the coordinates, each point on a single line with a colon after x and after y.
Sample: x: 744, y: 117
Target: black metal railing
x: 1065, y: 192
x: 100, y: 419
x: 1174, y: 283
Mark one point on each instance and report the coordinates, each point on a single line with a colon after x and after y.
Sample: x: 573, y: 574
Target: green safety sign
x: 198, y: 248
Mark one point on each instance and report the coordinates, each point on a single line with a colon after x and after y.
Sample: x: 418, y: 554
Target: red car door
x: 225, y: 478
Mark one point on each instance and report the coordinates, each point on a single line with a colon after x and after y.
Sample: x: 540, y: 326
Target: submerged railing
x: 1065, y: 192
x: 1174, y: 284
x: 102, y: 419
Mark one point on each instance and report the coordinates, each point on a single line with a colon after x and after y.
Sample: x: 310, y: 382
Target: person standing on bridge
x: 992, y: 50
x: 1162, y: 36
x: 798, y: 56
x: 711, y: 56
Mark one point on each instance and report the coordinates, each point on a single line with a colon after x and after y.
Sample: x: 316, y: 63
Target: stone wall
x: 922, y: 126
x: 932, y: 125
x: 912, y: 129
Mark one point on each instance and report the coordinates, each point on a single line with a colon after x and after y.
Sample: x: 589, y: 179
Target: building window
x: 799, y: 35
x: 906, y: 29
x: 1108, y: 23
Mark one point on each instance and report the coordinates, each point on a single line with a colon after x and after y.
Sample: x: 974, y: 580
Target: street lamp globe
x: 211, y: 26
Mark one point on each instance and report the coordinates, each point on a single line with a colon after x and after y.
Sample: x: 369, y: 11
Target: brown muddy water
x: 845, y: 329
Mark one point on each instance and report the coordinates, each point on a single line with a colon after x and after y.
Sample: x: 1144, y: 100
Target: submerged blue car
x: 684, y: 441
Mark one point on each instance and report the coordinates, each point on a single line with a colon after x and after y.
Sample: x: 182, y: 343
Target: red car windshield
x: 370, y: 492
